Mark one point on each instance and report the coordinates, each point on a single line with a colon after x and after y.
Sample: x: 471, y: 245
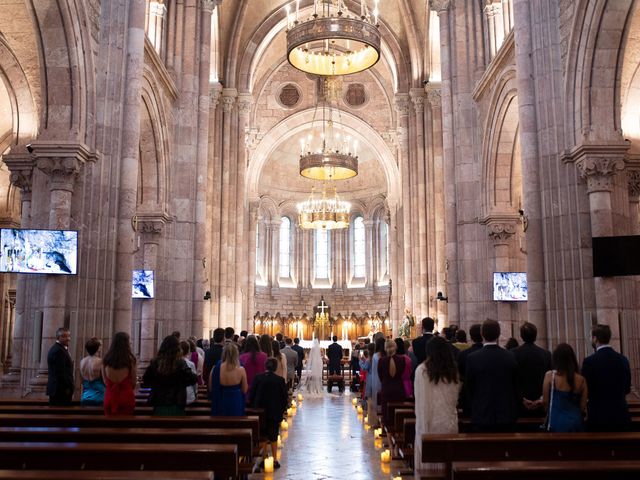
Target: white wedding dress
x: 313, y: 381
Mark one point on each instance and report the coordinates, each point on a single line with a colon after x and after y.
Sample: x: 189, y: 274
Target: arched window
x: 384, y: 250
x: 359, y: 254
x: 322, y: 254
x: 285, y: 248
x: 155, y: 17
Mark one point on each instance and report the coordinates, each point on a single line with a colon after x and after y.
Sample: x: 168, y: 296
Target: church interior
x: 454, y: 159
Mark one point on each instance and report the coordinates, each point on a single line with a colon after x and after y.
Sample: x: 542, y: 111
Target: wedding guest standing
x: 91, y: 373
x: 228, y: 384
x: 252, y: 359
x: 60, y: 383
x: 119, y: 372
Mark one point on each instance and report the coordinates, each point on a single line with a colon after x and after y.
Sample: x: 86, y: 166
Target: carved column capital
x: 210, y: 5
x: 439, y: 6
x: 229, y: 96
x: 633, y: 180
x: 434, y: 95
x: 215, y: 91
x: 417, y: 96
x: 401, y: 103
x: 598, y: 164
x: 21, y: 167
x: 150, y: 223
x: 501, y: 228
x: 245, y: 102
x: 61, y: 161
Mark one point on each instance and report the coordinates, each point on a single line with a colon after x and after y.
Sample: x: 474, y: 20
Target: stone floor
x: 326, y: 440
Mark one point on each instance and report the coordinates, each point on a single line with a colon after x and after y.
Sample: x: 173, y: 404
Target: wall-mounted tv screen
x: 39, y: 251
x: 142, y: 284
x: 510, y: 286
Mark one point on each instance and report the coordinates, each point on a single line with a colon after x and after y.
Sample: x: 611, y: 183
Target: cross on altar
x: 323, y: 307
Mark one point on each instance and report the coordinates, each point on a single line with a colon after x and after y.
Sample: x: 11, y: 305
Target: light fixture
x: 333, y: 40
x: 324, y: 213
x: 325, y: 153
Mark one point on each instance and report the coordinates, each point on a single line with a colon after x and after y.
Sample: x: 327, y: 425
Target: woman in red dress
x: 119, y: 373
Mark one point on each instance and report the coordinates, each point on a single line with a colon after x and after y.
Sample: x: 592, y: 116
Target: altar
x: 307, y: 344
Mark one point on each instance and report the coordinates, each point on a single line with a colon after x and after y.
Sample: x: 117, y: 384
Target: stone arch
x: 154, y: 148
x: 630, y: 82
x: 300, y: 121
x: 501, y: 159
x: 241, y: 73
x: 67, y: 70
x: 593, y: 71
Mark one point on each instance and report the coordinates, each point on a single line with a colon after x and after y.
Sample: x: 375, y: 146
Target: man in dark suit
x: 476, y: 337
x: 491, y: 380
x: 334, y: 353
x: 300, y: 351
x: 60, y: 384
x: 533, y: 362
x: 608, y: 381
x: 213, y: 354
x: 419, y: 344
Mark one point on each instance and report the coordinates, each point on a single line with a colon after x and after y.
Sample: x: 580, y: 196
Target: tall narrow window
x: 258, y: 251
x: 384, y: 249
x: 156, y: 13
x: 322, y: 254
x: 359, y: 256
x: 285, y: 248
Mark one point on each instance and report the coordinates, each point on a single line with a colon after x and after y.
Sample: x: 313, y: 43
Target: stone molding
x: 215, y: 91
x: 439, y: 6
x: 633, y: 179
x: 229, y: 96
x: 150, y: 222
x: 401, y: 103
x: 244, y: 102
x: 21, y: 167
x: 417, y: 96
x: 210, y: 5
x: 434, y: 96
x: 598, y: 164
x: 501, y: 227
x: 252, y: 138
x: 61, y: 161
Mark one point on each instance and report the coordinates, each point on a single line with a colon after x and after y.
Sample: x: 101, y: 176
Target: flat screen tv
x: 510, y: 286
x: 39, y: 251
x: 616, y: 256
x: 142, y: 284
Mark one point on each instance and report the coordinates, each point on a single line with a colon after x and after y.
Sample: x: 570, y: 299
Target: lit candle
x: 284, y: 425
x: 359, y: 410
x: 289, y: 412
x: 294, y: 405
x: 299, y: 397
x: 279, y: 441
x: 362, y: 8
x: 354, y: 402
x: 385, y: 456
x: 377, y: 433
x: 366, y: 419
x: 288, y: 9
x: 377, y: 443
x: 268, y: 465
x: 297, y: 9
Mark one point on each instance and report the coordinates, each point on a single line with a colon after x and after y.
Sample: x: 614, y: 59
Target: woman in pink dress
x: 406, y: 374
x: 252, y: 359
x: 119, y: 373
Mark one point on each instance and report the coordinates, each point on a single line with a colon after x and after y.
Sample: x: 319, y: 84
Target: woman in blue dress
x: 91, y: 371
x: 228, y: 384
x: 565, y: 392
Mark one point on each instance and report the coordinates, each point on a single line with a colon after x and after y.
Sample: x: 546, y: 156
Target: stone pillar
x: 530, y: 158
x: 253, y: 249
x: 501, y: 230
x: 150, y: 226
x: 61, y: 162
x: 418, y: 98
x: 370, y: 253
x: 449, y: 160
x: 597, y: 165
x: 200, y: 325
x: 401, y: 105
x: 437, y: 256
x: 128, y: 177
x: 21, y: 167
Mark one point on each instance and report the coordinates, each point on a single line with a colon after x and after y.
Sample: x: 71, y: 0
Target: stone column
x: 418, y: 98
x: 401, y: 105
x: 449, y: 160
x: 370, y: 253
x: 61, y: 162
x: 150, y: 226
x: 21, y: 167
x: 128, y: 176
x: 253, y: 249
x: 501, y: 230
x: 597, y: 165
x: 531, y: 184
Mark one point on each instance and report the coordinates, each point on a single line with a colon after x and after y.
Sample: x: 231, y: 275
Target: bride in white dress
x: 313, y: 382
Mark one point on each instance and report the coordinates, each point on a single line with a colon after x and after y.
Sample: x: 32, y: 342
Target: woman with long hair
x: 228, y: 384
x: 564, y: 392
x: 266, y: 344
x: 192, y: 390
x: 91, y: 373
x: 119, y: 373
x: 168, y: 375
x: 406, y: 374
x: 253, y: 360
x: 436, y: 390
x: 373, y: 382
x: 282, y: 360
x: 391, y: 370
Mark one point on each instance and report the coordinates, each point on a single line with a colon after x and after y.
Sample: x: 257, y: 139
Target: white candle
x: 362, y: 8
x: 268, y: 465
x: 297, y: 9
x: 288, y: 9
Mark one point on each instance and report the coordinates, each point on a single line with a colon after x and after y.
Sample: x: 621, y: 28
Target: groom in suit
x: 60, y: 384
x: 609, y: 382
x: 334, y: 353
x: 491, y: 381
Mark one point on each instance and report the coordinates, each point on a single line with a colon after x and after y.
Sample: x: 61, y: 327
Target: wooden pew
x: 101, y: 475
x: 222, y: 459
x: 525, y: 447
x: 582, y: 470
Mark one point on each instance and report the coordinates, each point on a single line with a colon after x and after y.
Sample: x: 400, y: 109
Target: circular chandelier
x: 324, y: 153
x: 333, y: 41
x: 325, y: 213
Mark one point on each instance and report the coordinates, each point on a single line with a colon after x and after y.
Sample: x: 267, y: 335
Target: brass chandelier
x: 325, y: 213
x: 333, y: 40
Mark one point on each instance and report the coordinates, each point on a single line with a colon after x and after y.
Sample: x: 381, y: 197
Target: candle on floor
x: 299, y: 397
x: 396, y: 478
x: 377, y: 433
x: 279, y: 441
x: 359, y: 410
x: 268, y: 465
x: 354, y: 402
x: 294, y: 404
x: 377, y: 443
x: 385, y: 456
x: 289, y: 412
x: 366, y: 419
x: 284, y: 425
